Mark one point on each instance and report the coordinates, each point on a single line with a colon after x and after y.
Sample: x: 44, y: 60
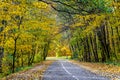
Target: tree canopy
x: 31, y: 30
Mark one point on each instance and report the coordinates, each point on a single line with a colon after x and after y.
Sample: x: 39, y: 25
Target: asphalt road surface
x: 64, y: 70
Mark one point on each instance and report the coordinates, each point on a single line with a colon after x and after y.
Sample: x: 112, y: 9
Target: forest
x: 31, y: 30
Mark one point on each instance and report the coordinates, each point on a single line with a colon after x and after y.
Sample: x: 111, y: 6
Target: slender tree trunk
x: 14, y: 55
x: 85, y: 52
x: 1, y: 56
x: 103, y: 55
x: 113, y: 43
x: 94, y: 48
x: 118, y: 40
x: 22, y: 63
x: 32, y: 57
x: 44, y: 52
x: 101, y: 40
x: 88, y: 50
x: 106, y: 44
x: 46, y: 48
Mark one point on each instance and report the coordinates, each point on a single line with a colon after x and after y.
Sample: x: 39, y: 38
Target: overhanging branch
x: 76, y: 11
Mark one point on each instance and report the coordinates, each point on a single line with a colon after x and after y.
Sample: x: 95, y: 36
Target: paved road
x: 64, y: 70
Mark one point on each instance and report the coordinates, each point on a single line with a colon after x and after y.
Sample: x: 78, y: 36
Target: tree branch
x: 76, y: 11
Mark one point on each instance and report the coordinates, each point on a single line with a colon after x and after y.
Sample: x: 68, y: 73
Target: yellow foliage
x: 40, y: 5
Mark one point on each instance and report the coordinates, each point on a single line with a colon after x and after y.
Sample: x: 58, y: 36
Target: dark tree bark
x: 101, y: 40
x: 118, y: 40
x: 22, y: 63
x: 94, y: 47
x: 85, y: 52
x: 1, y: 56
x: 45, y: 50
x: 88, y: 50
x: 14, y: 55
x: 113, y: 43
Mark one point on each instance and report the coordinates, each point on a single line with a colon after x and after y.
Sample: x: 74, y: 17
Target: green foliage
x: 94, y: 29
x: 84, y: 6
x: 75, y: 55
x: 7, y: 63
x: 38, y: 58
x: 23, y: 68
x: 112, y: 63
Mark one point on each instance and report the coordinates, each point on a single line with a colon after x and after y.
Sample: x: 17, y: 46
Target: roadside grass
x: 64, y: 57
x: 112, y: 63
x: 57, y: 58
x: 20, y: 70
x: 24, y: 68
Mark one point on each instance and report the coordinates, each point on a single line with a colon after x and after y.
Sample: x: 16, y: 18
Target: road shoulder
x: 35, y: 73
x: 110, y: 71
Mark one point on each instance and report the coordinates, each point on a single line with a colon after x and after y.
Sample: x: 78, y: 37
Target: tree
x: 26, y: 27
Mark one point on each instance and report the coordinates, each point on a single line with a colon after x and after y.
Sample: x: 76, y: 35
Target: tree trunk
x: 22, y: 63
x: 1, y: 56
x: 94, y: 48
x: 88, y: 50
x: 45, y: 51
x: 14, y: 55
x: 118, y: 41
x: 113, y: 43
